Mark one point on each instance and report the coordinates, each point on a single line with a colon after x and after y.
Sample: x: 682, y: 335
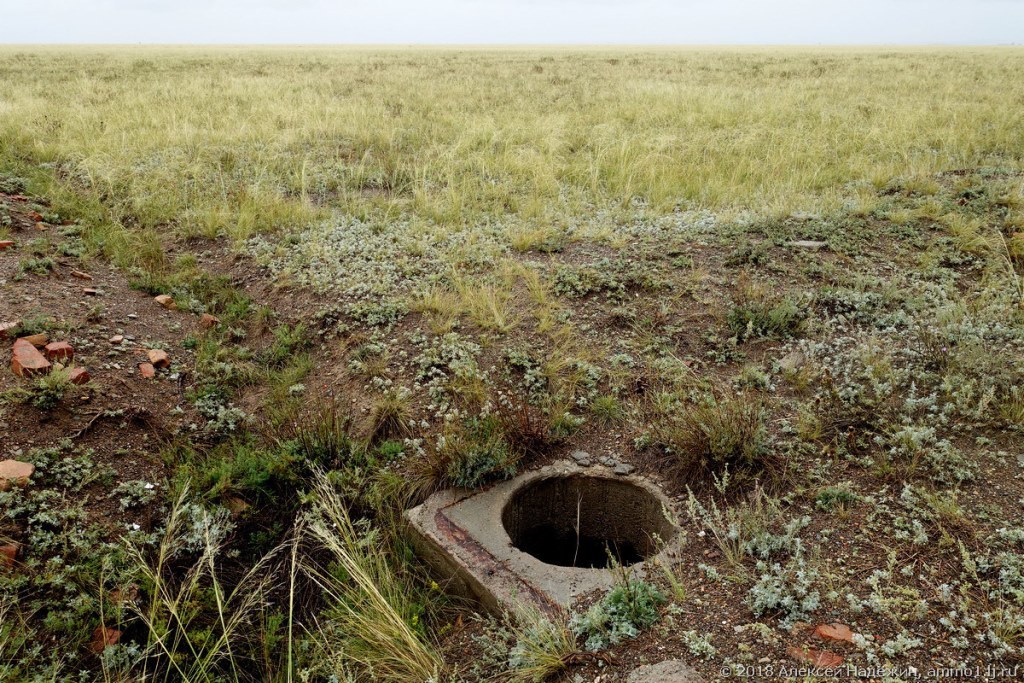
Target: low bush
x: 622, y: 613
x: 723, y: 438
x: 467, y: 456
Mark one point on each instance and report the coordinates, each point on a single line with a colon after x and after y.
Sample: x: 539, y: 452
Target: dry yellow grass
x: 239, y: 140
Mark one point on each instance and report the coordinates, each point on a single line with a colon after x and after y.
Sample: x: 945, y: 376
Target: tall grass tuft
x: 323, y: 436
x: 544, y: 646
x: 183, y: 642
x: 369, y: 631
x: 721, y: 440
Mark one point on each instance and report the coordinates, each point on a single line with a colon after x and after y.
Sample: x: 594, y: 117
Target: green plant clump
x: 621, y: 614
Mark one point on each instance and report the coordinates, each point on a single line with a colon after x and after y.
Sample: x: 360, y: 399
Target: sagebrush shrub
x: 622, y: 613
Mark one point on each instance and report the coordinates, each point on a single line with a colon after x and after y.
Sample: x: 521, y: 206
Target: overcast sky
x: 513, y: 21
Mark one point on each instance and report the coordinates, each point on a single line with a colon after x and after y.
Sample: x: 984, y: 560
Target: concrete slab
x: 464, y: 535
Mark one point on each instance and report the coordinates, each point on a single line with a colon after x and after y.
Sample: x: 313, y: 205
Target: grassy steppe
x: 238, y: 140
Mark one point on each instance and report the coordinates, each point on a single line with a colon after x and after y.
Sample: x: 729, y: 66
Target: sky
x: 976, y: 22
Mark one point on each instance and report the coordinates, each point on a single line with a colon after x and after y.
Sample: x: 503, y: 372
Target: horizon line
x: 507, y: 45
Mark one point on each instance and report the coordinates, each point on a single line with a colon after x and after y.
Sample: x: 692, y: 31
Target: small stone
x: 7, y: 329
x: 581, y: 458
x: 792, y: 361
x: 15, y: 473
x: 8, y: 555
x: 88, y: 291
x: 623, y: 469
x: 158, y: 357
x: 117, y: 339
x: 26, y: 361
x: 79, y: 376
x: 80, y: 275
x: 104, y: 637
x: 208, y: 321
x: 166, y: 301
x: 812, y: 245
x: 147, y: 370
x: 6, y: 244
x: 606, y: 461
x: 39, y: 340
x: 60, y: 351
x: 669, y: 671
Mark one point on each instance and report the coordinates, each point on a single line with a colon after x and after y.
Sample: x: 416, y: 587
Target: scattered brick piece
x: 147, y: 370
x: 15, y: 473
x: 36, y: 216
x: 6, y: 244
x: 60, y: 351
x: 79, y: 376
x: 41, y: 226
x: 120, y: 597
x: 207, y: 321
x: 838, y: 632
x: 80, y: 275
x: 26, y: 361
x: 88, y: 291
x: 166, y: 301
x: 40, y: 340
x: 236, y: 505
x: 8, y: 554
x: 117, y: 339
x: 104, y: 637
x: 7, y: 329
x: 818, y: 658
x: 159, y: 359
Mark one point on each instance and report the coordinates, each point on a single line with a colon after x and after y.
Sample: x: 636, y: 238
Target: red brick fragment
x: 60, y: 351
x: 26, y: 361
x: 6, y: 244
x: 166, y: 301
x: 104, y: 637
x: 147, y: 370
x: 89, y: 291
x: 39, y: 340
x: 36, y: 216
x: 8, y: 555
x: 15, y: 473
x: 838, y: 632
x: 80, y: 275
x: 236, y: 505
x: 817, y: 658
x: 158, y: 357
x: 79, y: 376
x: 207, y: 321
x: 127, y: 595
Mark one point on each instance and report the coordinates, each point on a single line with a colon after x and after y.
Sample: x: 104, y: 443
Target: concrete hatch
x: 546, y: 537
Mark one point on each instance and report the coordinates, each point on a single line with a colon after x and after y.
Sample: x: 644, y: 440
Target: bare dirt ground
x: 121, y: 417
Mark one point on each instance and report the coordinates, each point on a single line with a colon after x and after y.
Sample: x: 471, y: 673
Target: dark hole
x: 562, y: 547
x: 592, y: 522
